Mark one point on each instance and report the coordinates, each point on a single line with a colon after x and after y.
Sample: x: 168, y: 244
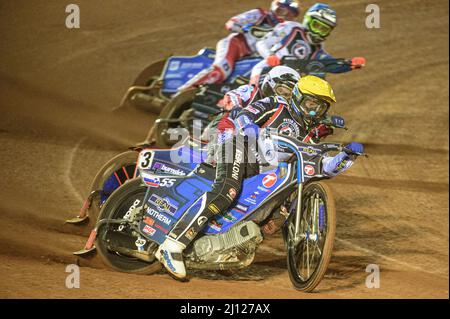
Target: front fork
x: 298, y: 213
x: 315, y: 227
x: 146, y: 198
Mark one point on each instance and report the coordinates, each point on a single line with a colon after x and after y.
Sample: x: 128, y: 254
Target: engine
x: 234, y: 249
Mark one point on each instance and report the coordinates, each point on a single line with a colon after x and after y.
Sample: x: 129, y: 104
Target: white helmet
x: 281, y: 80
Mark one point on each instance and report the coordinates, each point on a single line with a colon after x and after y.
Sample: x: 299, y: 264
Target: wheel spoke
x: 302, y: 265
x: 307, y: 258
x: 314, y: 252
x: 308, y: 251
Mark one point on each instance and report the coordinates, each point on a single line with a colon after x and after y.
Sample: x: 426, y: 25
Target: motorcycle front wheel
x: 309, y: 254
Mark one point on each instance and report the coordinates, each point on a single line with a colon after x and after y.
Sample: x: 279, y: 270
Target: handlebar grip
x: 334, y: 126
x: 350, y: 152
x: 329, y: 123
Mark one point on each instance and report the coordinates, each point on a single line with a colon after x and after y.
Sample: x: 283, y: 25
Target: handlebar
x: 350, y: 152
x: 314, y: 65
x: 328, y: 122
x: 320, y: 66
x: 311, y: 149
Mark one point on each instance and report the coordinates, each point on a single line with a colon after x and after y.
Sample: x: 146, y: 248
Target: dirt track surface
x: 57, y: 90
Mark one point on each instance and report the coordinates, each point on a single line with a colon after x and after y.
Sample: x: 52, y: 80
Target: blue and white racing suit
x: 290, y: 39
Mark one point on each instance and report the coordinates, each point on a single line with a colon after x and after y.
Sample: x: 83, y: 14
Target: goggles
x: 320, y: 28
x: 283, y: 90
x: 309, y: 105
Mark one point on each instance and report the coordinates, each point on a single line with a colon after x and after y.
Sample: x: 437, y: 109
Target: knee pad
x: 223, y: 67
x: 213, y: 74
x: 230, y: 190
x: 224, y: 197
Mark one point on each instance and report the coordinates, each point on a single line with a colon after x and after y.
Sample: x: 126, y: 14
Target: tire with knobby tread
x: 320, y: 271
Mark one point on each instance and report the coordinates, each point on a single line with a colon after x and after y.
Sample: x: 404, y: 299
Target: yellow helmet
x: 311, y: 98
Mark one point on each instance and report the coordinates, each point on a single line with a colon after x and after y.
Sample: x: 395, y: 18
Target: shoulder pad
x: 254, y: 13
x: 245, y: 88
x: 266, y: 100
x: 281, y: 100
x: 262, y: 11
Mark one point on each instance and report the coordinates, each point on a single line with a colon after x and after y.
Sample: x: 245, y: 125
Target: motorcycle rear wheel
x: 147, y: 78
x: 115, y: 208
x: 154, y: 69
x: 121, y: 163
x: 179, y: 104
x: 296, y: 254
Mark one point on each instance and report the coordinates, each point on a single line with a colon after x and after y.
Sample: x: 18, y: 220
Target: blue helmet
x: 320, y: 20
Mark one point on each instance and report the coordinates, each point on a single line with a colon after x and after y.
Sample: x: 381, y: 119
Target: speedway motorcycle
x: 157, y: 84
x: 184, y: 110
x: 137, y: 216
x: 122, y: 168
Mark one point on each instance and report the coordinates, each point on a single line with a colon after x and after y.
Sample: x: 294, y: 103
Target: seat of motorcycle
x: 213, y: 51
x: 241, y: 80
x: 248, y: 57
x: 203, y: 170
x: 206, y: 170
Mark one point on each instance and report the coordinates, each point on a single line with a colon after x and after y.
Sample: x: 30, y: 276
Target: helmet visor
x: 320, y: 28
x: 313, y: 107
x: 308, y: 105
x: 284, y: 90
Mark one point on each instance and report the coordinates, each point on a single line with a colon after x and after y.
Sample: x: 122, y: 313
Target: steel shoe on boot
x: 170, y: 254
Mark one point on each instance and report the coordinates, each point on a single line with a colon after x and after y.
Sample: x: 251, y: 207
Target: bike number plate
x: 145, y: 159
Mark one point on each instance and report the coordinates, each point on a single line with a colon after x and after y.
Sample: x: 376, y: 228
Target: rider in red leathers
x: 241, y: 42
